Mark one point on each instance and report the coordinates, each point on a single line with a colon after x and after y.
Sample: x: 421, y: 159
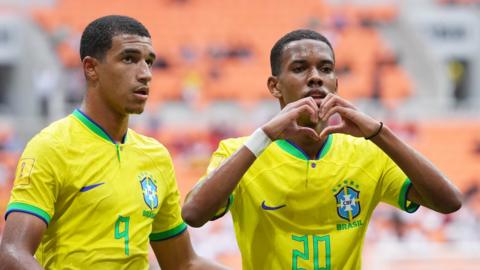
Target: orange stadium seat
x: 367, y: 68
x: 395, y: 86
x: 165, y: 86
x: 378, y: 13
x: 195, y: 24
x: 450, y: 145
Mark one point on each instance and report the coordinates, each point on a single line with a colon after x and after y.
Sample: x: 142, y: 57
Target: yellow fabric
x: 286, y: 212
x: 89, y: 191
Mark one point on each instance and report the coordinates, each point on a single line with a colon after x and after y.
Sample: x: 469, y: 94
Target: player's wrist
x: 268, y: 130
x: 258, y: 142
x: 376, y: 132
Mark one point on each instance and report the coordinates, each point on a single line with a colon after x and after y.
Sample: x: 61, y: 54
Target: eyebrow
x: 301, y: 61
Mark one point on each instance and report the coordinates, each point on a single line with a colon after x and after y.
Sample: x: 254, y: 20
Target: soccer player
x: 301, y: 191
x: 90, y: 193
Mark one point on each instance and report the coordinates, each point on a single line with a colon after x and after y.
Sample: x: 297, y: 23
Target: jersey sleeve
x: 168, y: 222
x: 395, y: 186
x: 37, y: 179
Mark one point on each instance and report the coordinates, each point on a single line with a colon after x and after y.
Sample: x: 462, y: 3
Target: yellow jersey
x: 290, y: 212
x: 102, y: 201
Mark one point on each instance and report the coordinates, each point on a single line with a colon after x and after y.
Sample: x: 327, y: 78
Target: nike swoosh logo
x: 266, y: 207
x: 87, y: 188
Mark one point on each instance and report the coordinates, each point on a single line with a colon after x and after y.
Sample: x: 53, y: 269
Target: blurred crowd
x: 203, y: 58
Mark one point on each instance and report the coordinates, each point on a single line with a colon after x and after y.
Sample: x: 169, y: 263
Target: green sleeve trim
x: 229, y: 204
x: 168, y: 234
x: 403, y: 202
x: 29, y: 209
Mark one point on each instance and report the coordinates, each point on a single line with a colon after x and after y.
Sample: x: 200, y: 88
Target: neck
x: 112, y: 122
x: 308, y: 145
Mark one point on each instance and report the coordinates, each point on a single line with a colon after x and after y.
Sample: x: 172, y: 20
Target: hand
x: 353, y: 122
x: 284, y: 125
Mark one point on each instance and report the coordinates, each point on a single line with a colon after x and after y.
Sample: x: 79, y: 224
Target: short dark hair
x: 277, y: 49
x: 97, y: 37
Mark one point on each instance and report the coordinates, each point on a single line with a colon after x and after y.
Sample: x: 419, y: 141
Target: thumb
x: 309, y: 132
x: 329, y: 130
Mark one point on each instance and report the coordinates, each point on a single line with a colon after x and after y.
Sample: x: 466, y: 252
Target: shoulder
x: 147, y: 145
x: 349, y: 145
x: 48, y: 149
x: 350, y: 141
x: 53, y: 137
x: 353, y: 144
x: 231, y: 145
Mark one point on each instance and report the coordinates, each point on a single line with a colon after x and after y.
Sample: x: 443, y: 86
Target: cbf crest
x: 149, y: 190
x: 348, y: 200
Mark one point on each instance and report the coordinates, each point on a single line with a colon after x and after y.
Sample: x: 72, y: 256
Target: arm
x: 177, y: 253
x: 208, y: 196
x: 21, y: 237
x: 211, y: 194
x: 430, y: 187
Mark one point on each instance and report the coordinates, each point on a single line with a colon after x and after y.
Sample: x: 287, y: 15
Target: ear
x: 90, y: 68
x: 272, y: 84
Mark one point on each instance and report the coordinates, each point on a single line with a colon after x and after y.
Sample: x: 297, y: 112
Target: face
x: 123, y: 76
x: 308, y: 69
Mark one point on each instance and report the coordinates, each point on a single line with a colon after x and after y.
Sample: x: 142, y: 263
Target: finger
x: 343, y: 102
x: 308, y: 100
x: 308, y: 132
x: 342, y: 111
x: 286, y: 117
x: 330, y: 102
x: 334, y: 119
x: 325, y: 102
x: 294, y: 106
x: 314, y: 117
x: 303, y: 110
x: 311, y: 102
x: 331, y: 129
x: 333, y: 100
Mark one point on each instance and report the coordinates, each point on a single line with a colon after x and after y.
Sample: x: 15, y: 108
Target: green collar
x: 294, y: 150
x: 94, y: 127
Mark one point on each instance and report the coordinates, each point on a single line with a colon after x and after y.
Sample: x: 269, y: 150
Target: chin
x: 134, y: 110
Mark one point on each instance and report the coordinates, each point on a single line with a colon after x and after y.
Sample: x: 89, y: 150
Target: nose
x: 145, y: 73
x: 314, y: 78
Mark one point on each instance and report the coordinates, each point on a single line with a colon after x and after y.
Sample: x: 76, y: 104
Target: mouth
x: 141, y: 92
x: 317, y: 94
x: 318, y: 99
